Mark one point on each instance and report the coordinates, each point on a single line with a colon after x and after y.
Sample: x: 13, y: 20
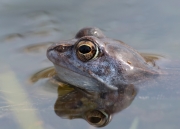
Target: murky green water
x: 27, y: 28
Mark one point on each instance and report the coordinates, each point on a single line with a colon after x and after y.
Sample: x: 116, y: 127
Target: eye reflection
x: 97, y: 118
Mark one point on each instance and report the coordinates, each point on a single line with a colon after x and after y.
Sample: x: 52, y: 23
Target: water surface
x: 29, y: 27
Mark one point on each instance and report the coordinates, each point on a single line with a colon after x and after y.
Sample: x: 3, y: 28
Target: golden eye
x: 86, y: 50
x: 97, y: 118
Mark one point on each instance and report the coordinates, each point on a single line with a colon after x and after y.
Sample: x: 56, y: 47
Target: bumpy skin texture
x: 116, y: 64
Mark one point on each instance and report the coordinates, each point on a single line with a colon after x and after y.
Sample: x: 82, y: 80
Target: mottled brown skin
x: 113, y: 65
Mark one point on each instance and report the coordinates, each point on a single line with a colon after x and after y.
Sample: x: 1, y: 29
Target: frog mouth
x: 88, y: 83
x: 75, y: 79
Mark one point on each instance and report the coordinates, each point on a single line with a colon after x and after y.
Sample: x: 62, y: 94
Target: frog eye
x: 98, y: 118
x: 86, y: 50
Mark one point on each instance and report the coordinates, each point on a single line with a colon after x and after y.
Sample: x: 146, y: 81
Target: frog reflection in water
x: 96, y: 108
x: 102, y: 71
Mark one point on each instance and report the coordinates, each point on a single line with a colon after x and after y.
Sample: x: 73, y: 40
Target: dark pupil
x: 95, y: 119
x: 84, y: 49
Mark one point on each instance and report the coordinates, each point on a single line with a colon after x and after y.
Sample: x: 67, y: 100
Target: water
x: 29, y: 27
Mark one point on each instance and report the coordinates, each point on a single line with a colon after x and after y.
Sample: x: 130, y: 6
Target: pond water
x: 29, y: 27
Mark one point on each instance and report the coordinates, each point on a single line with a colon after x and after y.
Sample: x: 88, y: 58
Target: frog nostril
x: 62, y: 48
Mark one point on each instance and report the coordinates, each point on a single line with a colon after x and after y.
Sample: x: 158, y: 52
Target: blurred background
x: 27, y: 28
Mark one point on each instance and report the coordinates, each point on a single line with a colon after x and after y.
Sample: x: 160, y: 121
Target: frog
x: 93, y: 62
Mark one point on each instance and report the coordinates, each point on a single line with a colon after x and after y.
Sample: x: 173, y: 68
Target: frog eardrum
x: 86, y: 50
